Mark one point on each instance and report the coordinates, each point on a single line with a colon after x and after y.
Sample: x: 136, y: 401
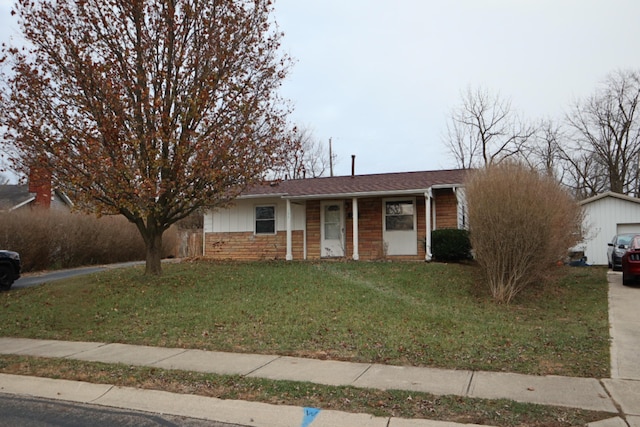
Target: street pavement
x: 619, y: 395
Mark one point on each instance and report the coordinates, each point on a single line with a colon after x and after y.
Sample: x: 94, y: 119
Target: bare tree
x: 604, y: 147
x: 309, y: 159
x: 543, y: 151
x: 484, y: 130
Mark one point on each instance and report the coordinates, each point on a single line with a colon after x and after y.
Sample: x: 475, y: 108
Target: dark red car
x: 631, y: 262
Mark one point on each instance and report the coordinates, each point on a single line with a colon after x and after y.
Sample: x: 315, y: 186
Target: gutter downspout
x: 428, y: 195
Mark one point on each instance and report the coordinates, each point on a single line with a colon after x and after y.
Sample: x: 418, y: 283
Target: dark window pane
x: 265, y: 227
x: 399, y: 215
x: 265, y: 212
x: 399, y: 222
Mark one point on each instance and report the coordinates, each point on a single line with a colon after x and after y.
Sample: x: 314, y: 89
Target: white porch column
x: 356, y: 255
x: 427, y: 203
x: 289, y: 255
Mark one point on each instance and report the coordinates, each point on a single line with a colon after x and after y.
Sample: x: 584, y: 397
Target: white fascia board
x: 26, y: 202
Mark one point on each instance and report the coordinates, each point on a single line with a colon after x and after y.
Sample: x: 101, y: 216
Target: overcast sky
x: 380, y: 77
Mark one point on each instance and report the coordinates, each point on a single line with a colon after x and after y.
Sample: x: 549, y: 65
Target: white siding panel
x: 602, y: 218
x: 239, y: 217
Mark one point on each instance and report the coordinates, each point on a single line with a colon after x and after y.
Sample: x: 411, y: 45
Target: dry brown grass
x: 50, y: 239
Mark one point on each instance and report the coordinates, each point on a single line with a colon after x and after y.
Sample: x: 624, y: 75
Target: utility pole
x: 330, y: 158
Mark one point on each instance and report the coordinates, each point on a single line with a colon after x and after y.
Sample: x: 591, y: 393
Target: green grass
x: 396, y: 313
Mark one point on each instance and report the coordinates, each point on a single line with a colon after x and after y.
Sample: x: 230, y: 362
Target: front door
x: 399, y: 229
x: 332, y: 229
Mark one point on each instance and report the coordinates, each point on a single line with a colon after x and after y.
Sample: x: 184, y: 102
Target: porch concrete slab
x: 585, y: 393
x: 216, y: 362
x: 128, y: 354
x: 328, y: 372
x: 429, y: 380
x: 626, y: 393
x: 47, y: 388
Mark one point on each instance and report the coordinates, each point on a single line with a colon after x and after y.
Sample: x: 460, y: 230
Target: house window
x: 265, y: 219
x: 399, y: 215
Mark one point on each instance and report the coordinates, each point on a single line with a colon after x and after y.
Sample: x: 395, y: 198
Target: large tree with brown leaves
x: 151, y: 109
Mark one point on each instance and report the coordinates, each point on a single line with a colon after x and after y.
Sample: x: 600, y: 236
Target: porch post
x: 427, y: 203
x: 289, y: 255
x: 356, y: 255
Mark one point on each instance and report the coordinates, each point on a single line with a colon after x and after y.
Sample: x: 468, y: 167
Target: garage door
x: 628, y: 228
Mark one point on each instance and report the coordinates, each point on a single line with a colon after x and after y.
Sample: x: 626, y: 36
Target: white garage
x: 606, y: 215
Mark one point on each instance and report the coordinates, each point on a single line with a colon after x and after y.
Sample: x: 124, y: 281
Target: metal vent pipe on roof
x: 353, y: 165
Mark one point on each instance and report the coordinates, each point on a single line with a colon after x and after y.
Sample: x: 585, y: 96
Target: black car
x: 9, y: 269
x: 617, y: 247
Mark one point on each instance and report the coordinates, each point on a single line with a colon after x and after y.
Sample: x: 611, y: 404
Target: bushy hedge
x: 522, y: 222
x: 51, y: 239
x: 450, y: 245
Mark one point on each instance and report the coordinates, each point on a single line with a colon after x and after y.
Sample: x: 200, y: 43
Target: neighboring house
x: 362, y: 217
x: 37, y: 193
x: 606, y: 215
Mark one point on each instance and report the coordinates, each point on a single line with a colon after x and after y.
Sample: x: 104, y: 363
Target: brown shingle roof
x: 387, y: 183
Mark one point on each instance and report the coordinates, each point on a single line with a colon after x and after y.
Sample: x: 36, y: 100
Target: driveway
x: 624, y: 321
x: 32, y: 279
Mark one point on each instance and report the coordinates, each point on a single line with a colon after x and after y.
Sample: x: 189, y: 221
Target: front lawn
x: 396, y: 313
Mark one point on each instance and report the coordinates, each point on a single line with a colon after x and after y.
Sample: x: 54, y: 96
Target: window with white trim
x: 399, y: 215
x: 265, y: 220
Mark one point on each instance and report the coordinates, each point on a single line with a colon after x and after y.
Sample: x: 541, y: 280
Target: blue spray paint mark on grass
x: 310, y: 414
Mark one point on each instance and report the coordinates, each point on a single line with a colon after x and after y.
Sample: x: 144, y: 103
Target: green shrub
x: 450, y: 245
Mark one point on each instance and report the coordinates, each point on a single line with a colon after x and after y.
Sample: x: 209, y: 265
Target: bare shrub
x: 521, y: 223
x: 49, y: 239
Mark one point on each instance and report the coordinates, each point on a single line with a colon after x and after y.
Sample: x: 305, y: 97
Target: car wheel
x: 6, y: 277
x: 627, y: 280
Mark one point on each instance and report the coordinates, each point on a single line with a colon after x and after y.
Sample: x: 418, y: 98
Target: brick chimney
x: 40, y: 183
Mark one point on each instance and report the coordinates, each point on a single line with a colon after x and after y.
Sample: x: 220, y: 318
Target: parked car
x: 631, y: 262
x: 617, y: 247
x: 9, y: 269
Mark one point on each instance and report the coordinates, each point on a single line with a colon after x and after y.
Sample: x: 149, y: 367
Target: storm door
x: 332, y: 229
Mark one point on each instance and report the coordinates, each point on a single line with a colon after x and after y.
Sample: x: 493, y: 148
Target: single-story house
x: 606, y: 215
x: 359, y: 217
x: 13, y: 197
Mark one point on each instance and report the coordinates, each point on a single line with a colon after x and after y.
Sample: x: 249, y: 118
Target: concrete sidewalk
x: 592, y: 394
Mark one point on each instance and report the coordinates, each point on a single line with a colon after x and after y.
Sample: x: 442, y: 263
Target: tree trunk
x: 153, y: 242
